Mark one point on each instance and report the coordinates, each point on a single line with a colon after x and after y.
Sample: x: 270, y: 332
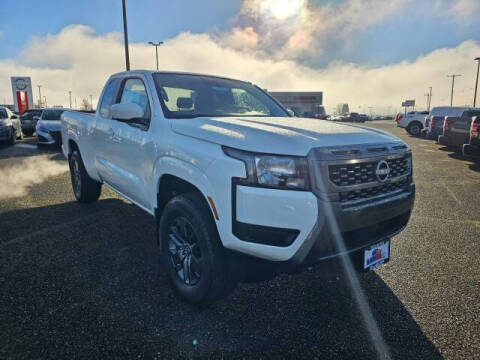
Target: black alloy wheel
x: 185, y: 254
x: 76, y: 177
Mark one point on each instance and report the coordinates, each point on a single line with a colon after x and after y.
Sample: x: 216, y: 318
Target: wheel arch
x: 178, y: 177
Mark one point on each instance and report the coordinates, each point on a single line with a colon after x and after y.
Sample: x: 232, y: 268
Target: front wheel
x: 85, y: 189
x: 414, y: 129
x: 192, y: 252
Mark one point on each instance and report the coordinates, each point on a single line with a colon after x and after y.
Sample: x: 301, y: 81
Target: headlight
x: 273, y: 171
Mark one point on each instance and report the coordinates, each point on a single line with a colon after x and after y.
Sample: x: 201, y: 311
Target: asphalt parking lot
x: 82, y: 281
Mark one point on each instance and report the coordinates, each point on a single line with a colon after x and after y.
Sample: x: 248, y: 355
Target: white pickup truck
x: 240, y: 190
x: 412, y: 122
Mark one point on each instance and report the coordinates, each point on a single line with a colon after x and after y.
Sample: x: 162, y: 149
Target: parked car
x: 353, y: 117
x: 48, y: 127
x: 473, y: 145
x: 10, y: 126
x: 434, y: 122
x: 412, y: 121
x: 364, y: 117
x: 235, y: 195
x: 29, y: 120
x: 456, y: 129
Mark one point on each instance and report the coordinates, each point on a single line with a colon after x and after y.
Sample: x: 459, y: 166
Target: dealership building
x: 302, y: 103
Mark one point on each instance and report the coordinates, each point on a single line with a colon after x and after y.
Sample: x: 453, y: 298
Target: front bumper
x: 296, y: 228
x: 45, y: 137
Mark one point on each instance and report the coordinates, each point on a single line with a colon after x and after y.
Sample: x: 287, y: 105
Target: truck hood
x: 277, y: 135
x: 52, y: 125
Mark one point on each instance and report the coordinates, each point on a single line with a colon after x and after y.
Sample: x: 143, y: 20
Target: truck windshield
x: 190, y: 96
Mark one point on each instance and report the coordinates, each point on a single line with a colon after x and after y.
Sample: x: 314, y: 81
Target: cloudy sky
x: 365, y: 52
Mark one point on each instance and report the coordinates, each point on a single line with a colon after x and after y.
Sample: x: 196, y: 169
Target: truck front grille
x: 371, y: 192
x: 364, y: 172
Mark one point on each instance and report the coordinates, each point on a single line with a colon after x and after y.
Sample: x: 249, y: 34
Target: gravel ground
x: 85, y: 282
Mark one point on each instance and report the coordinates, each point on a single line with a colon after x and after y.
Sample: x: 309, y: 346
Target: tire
x: 85, y: 189
x: 414, y: 129
x: 190, y: 244
x: 13, y: 136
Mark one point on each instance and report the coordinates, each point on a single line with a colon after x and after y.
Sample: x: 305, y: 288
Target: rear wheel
x: 414, y: 129
x: 13, y: 137
x: 85, y: 189
x: 192, y: 252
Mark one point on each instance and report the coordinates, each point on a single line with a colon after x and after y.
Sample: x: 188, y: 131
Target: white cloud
x: 466, y: 9
x: 298, y: 28
x: 82, y: 61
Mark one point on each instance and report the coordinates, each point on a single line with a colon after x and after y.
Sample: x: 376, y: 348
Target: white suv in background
x: 412, y: 121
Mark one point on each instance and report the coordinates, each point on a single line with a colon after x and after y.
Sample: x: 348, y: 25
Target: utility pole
x: 453, y: 76
x: 91, y: 103
x: 45, y: 101
x: 156, y: 49
x: 429, y: 98
x: 476, y: 82
x: 70, y: 96
x: 39, y: 96
x: 125, y: 36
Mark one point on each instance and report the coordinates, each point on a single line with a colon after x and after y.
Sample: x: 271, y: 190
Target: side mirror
x: 128, y: 112
x: 36, y: 118
x: 290, y: 112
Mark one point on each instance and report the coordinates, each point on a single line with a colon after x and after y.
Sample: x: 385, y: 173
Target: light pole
x: 45, y: 101
x: 429, y: 98
x: 453, y: 76
x: 476, y: 82
x: 70, y: 97
x: 156, y: 49
x: 39, y: 96
x: 125, y: 36
x: 91, y: 103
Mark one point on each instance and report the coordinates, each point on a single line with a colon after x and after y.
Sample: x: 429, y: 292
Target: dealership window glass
x: 108, y: 98
x: 134, y: 92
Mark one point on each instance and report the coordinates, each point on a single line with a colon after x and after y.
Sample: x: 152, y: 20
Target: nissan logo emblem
x: 382, y: 171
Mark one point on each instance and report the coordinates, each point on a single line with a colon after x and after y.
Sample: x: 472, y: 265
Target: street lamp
x: 125, y: 36
x: 70, y: 97
x: 476, y: 83
x: 39, y: 96
x: 156, y: 49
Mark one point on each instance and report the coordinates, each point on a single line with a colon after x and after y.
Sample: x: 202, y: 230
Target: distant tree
x: 85, y: 104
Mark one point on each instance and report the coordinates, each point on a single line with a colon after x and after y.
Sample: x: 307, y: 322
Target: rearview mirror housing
x: 128, y: 112
x: 290, y: 112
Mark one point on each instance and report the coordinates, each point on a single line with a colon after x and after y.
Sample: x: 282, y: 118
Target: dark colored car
x: 353, y: 117
x: 456, y: 130
x: 29, y: 120
x: 473, y: 146
x: 433, y: 127
x: 10, y: 127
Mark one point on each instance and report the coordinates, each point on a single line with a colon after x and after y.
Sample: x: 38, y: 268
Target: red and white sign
x: 22, y: 93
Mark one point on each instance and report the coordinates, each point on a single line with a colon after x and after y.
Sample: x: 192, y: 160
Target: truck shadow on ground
x: 85, y: 281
